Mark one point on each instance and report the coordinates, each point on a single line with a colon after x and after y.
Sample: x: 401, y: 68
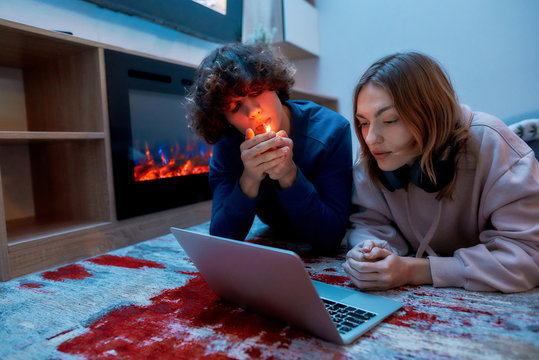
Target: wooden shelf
x: 49, y: 135
x: 329, y: 102
x: 31, y: 229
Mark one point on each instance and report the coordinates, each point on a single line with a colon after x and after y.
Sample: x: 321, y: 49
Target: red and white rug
x: 147, y: 301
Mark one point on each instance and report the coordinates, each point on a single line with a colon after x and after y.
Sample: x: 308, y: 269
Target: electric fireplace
x: 158, y: 162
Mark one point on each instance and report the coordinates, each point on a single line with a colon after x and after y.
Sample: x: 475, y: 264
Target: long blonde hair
x: 424, y: 98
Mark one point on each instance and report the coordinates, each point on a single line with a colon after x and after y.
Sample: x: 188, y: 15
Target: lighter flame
x: 268, y: 128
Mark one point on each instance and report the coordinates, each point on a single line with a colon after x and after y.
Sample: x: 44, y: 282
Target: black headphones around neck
x: 444, y: 170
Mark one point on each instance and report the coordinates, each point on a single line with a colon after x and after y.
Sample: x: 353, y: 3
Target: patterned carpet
x: 147, y: 301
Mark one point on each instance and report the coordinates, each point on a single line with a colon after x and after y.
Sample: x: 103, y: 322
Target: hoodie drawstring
x: 425, y: 240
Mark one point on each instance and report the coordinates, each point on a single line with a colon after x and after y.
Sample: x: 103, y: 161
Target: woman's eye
x: 361, y: 122
x: 391, y: 121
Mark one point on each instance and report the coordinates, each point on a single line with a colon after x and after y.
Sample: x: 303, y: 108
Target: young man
x: 289, y: 162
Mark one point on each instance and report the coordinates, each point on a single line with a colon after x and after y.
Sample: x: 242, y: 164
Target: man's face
x: 256, y: 112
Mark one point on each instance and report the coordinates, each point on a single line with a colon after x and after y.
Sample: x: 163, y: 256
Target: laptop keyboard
x: 346, y: 317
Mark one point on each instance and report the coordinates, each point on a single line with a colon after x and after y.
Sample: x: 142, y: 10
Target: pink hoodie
x: 486, y: 237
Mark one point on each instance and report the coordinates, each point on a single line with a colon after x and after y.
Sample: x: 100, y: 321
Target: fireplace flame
x: 174, y: 163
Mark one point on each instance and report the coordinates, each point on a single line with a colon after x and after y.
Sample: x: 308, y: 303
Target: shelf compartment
x: 48, y: 184
x: 62, y: 89
x: 24, y: 47
x: 65, y: 94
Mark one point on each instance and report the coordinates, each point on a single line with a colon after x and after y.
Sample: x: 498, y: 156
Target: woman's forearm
x: 418, y: 271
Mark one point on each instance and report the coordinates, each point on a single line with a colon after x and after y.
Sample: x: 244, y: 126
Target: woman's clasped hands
x: 374, y: 266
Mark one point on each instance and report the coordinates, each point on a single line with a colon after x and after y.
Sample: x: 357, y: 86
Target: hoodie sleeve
x: 232, y: 212
x: 319, y: 207
x: 373, y: 220
x: 507, y: 256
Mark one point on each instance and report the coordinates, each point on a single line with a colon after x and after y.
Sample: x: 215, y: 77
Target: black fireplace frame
x: 186, y: 16
x: 134, y: 198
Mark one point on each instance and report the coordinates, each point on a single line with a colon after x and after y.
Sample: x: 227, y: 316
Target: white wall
x: 490, y: 48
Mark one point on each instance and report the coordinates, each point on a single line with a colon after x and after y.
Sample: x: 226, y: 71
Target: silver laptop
x: 273, y: 282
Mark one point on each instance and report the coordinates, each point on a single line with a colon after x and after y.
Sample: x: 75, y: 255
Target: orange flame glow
x: 175, y: 164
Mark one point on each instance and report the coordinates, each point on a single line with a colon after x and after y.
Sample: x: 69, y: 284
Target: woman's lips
x: 381, y: 155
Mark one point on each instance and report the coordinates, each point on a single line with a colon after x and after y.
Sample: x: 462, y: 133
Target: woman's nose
x: 373, y: 135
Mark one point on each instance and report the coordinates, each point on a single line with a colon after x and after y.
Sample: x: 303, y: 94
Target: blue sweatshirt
x: 315, y: 208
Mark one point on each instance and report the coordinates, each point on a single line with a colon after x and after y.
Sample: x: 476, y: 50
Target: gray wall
x: 490, y: 48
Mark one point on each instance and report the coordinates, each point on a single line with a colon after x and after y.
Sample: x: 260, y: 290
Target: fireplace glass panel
x: 163, y: 145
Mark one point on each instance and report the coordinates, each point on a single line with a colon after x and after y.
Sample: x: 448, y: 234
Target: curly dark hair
x: 233, y: 70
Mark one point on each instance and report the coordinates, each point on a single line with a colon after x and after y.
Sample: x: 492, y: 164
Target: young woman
x: 455, y: 189
x: 289, y: 162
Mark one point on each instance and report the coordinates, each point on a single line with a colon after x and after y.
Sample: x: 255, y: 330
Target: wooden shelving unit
x: 56, y: 164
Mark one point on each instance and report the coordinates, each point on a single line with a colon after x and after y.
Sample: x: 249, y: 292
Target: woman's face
x: 257, y: 112
x: 388, y: 139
